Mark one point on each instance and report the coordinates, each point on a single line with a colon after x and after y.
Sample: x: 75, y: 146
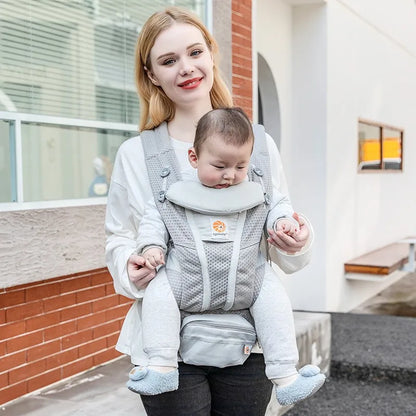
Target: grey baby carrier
x: 215, y: 277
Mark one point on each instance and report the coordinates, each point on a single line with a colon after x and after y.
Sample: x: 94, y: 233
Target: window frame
x: 381, y: 127
x: 16, y: 154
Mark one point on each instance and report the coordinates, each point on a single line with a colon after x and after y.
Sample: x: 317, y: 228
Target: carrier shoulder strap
x: 162, y: 165
x: 260, y: 161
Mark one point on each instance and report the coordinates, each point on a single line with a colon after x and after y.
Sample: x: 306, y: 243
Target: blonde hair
x: 155, y: 106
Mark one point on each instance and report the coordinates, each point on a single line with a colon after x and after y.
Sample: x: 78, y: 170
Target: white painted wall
x: 307, y: 164
x: 273, y: 31
x: 292, y: 40
x: 337, y: 61
x: 372, y: 75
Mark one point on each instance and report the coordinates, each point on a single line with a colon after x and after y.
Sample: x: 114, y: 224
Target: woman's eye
x: 196, y: 52
x: 168, y: 61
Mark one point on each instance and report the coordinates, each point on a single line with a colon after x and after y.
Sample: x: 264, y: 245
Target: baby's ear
x: 192, y: 157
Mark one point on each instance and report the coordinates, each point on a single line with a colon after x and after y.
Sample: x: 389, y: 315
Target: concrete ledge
x: 313, y: 335
x: 374, y: 348
x: 358, y: 398
x: 373, y: 368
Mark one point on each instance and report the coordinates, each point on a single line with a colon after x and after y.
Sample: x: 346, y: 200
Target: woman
x: 178, y: 82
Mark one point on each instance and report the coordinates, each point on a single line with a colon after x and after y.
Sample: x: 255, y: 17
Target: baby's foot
x: 309, y: 381
x: 150, y: 382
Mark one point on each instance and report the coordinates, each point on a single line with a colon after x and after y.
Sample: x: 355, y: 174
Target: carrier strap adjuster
x: 267, y: 199
x: 162, y: 196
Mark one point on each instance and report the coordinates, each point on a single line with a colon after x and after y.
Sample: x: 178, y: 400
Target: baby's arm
x: 280, y: 217
x: 152, y: 238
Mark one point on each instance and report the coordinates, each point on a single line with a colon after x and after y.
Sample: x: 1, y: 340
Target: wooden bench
x: 399, y: 256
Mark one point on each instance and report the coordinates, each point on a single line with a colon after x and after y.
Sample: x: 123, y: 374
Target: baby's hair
x: 230, y: 123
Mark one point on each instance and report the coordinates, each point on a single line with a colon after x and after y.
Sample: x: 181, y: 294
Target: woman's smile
x: 191, y: 83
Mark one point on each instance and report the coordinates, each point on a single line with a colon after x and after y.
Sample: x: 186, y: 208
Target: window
x: 67, y: 92
x: 380, y: 147
x: 49, y: 158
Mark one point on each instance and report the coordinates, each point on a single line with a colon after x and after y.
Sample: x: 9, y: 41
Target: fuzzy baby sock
x: 148, y: 381
x: 293, y: 389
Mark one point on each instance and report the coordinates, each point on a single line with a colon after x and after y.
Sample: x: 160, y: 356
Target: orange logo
x: 219, y: 226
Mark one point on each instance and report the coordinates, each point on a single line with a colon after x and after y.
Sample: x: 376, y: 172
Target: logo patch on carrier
x: 219, y: 227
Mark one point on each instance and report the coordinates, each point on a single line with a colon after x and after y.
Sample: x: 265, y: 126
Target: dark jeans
x: 241, y: 390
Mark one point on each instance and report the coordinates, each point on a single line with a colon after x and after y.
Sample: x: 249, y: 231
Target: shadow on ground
x: 398, y: 299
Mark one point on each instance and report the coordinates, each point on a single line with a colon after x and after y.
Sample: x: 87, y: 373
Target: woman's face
x: 182, y: 65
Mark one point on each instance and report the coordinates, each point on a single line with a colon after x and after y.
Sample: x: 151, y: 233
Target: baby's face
x: 222, y: 164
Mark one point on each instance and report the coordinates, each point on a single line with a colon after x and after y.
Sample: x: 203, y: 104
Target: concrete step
x: 373, y: 348
x: 342, y: 397
x: 373, y: 368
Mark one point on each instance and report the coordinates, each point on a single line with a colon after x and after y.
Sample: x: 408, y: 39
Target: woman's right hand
x: 137, y: 271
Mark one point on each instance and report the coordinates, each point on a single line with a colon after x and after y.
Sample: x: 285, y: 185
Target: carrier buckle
x: 162, y: 196
x: 258, y: 172
x: 267, y: 199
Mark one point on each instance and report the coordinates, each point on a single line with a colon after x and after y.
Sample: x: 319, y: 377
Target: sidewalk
x: 373, y: 362
x: 373, y: 369
x: 100, y: 391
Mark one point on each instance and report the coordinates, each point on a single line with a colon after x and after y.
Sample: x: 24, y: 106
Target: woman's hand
x: 287, y: 243
x: 137, y: 271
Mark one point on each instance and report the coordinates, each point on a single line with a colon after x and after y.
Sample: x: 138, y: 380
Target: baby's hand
x: 154, y: 257
x: 287, y: 226
x: 290, y: 244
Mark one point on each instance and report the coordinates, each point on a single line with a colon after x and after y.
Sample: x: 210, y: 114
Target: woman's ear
x: 192, y: 157
x: 151, y: 77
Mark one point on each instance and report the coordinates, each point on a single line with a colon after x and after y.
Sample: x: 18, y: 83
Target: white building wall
x: 334, y: 62
x: 273, y: 31
x: 372, y: 75
x: 292, y: 40
x: 307, y: 166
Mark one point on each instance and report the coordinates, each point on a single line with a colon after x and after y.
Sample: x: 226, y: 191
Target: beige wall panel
x: 41, y: 244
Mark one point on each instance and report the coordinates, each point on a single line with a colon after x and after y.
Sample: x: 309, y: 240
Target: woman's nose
x: 187, y: 68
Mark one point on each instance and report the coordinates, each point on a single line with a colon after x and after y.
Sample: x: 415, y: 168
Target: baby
x: 220, y: 157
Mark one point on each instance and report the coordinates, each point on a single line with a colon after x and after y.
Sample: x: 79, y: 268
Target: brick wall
x: 242, y: 55
x: 53, y: 329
